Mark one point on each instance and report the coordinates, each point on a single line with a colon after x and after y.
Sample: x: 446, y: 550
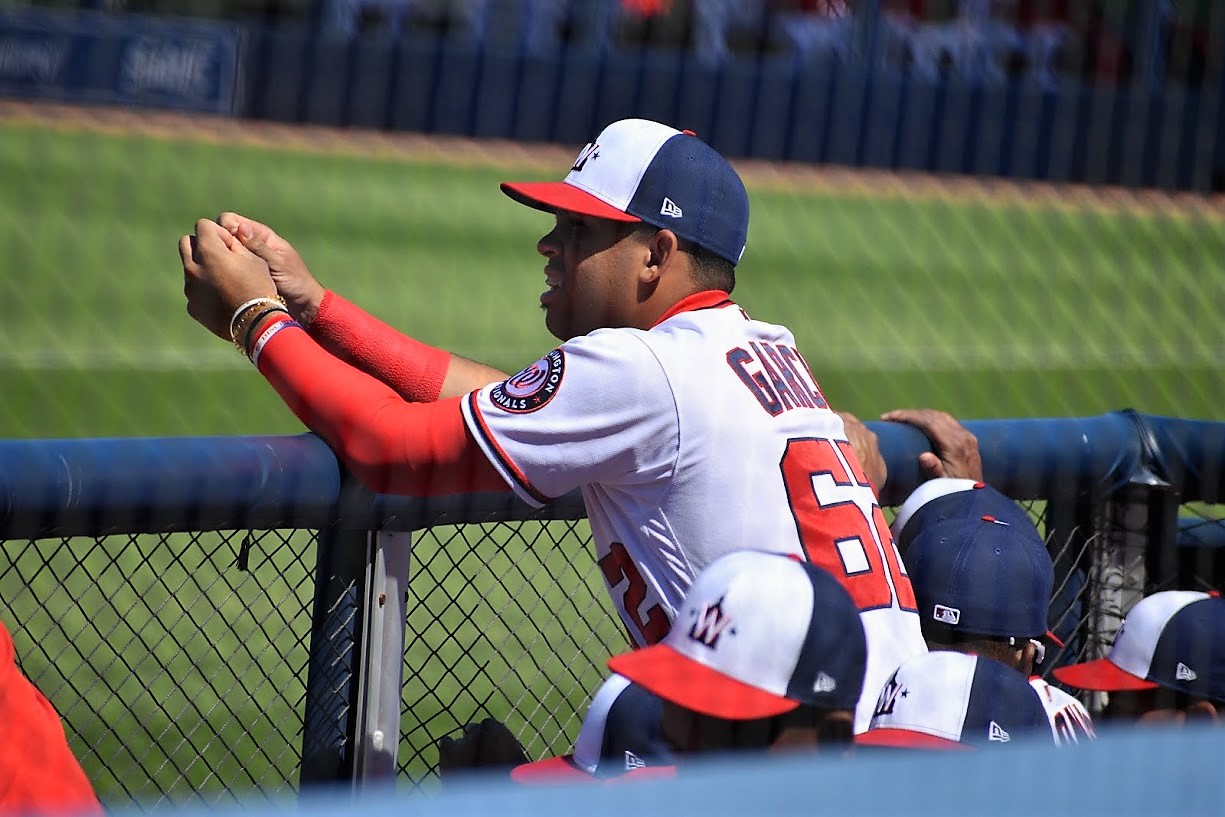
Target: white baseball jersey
x: 1070, y: 721
x: 703, y: 435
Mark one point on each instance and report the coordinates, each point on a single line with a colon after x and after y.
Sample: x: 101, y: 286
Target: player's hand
x: 487, y: 745
x: 954, y: 449
x: 219, y: 274
x: 294, y: 281
x: 866, y: 446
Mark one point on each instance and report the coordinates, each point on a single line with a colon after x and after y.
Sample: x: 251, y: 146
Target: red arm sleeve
x: 391, y: 446
x: 416, y: 371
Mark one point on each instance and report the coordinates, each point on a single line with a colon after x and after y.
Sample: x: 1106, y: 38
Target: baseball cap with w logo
x: 758, y: 634
x: 639, y: 170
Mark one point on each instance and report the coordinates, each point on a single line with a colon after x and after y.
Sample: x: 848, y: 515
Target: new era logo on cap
x: 1174, y: 639
x: 638, y: 170
x: 824, y: 683
x: 953, y: 700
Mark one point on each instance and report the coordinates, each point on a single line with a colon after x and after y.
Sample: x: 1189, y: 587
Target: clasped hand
x: 219, y: 275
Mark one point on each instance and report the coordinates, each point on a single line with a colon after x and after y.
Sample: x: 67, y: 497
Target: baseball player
x: 690, y: 427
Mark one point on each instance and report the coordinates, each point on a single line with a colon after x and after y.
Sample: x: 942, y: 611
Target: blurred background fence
x: 230, y: 618
x: 1124, y: 92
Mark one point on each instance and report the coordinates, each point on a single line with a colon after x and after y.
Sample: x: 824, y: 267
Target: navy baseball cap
x: 982, y: 577
x: 938, y: 500
x: 1174, y: 639
x: 638, y: 170
x: 951, y: 700
x: 622, y: 731
x: 758, y: 634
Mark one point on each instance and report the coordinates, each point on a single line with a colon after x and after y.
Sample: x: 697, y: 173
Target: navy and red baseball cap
x: 1173, y: 639
x: 622, y: 732
x: 759, y: 634
x: 980, y: 576
x: 639, y: 170
x: 951, y: 700
x: 939, y: 500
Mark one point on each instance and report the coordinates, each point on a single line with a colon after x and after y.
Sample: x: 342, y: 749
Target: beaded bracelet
x: 254, y: 302
x: 266, y: 335
x: 248, y: 326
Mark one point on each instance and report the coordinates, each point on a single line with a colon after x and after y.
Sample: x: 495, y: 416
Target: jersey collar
x: 706, y: 299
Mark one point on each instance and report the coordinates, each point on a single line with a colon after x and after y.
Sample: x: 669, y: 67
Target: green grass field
x: 1004, y: 309
x: 986, y: 311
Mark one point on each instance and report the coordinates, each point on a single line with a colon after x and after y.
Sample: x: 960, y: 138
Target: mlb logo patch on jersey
x: 533, y: 387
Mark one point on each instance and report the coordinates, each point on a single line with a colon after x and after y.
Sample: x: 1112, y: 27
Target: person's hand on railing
x: 294, y: 281
x: 484, y: 746
x: 954, y: 448
x: 866, y: 446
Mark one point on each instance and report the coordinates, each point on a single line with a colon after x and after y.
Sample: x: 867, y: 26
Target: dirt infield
x: 499, y: 153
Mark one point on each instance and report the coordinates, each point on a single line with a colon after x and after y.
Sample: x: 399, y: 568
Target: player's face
x: 591, y: 274
x: 691, y: 733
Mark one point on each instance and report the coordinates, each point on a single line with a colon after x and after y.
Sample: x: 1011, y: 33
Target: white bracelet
x: 267, y: 335
x: 253, y: 302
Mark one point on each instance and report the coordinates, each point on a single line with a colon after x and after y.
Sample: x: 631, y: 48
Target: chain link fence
x: 180, y: 662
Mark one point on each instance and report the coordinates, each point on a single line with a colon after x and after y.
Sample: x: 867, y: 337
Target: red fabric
x: 647, y: 8
x: 38, y: 772
x: 390, y: 445
x: 706, y: 299
x: 416, y: 371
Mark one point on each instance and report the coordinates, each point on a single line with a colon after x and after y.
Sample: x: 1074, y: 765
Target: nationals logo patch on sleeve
x: 533, y: 387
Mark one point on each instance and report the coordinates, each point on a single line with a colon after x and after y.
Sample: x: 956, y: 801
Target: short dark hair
x: 709, y: 270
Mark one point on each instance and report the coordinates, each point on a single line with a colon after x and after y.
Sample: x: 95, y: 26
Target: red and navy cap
x: 758, y: 634
x: 980, y: 576
x: 621, y: 733
x: 1174, y: 639
x: 638, y: 170
x: 939, y: 500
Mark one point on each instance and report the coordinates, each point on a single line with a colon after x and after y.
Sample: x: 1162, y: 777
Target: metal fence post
x: 334, y: 669
x: 382, y: 678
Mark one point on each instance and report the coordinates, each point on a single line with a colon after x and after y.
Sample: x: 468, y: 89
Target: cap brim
x: 554, y: 196
x: 551, y: 770
x: 1100, y: 676
x: 908, y: 739
x: 695, y: 686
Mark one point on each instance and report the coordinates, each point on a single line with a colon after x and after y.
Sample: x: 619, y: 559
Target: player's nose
x: 548, y: 245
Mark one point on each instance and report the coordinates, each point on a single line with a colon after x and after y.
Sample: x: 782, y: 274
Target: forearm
x: 417, y: 372
x: 391, y: 446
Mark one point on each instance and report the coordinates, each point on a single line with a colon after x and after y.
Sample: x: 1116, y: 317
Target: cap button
x: 688, y: 132
x: 978, y: 485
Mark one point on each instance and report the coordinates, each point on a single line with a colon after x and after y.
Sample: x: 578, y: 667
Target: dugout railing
x: 221, y: 617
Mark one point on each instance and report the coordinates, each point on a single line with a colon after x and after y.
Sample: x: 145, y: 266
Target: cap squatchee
x: 638, y: 170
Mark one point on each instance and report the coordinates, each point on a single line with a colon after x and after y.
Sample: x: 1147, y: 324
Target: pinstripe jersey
x: 705, y: 434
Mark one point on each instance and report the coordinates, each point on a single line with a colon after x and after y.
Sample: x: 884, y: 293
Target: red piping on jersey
x: 390, y: 445
x: 519, y: 477
x: 706, y: 299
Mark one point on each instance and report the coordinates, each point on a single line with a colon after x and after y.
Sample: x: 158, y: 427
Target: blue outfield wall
x: 821, y: 110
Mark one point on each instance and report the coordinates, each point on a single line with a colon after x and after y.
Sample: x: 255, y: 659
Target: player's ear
x: 663, y: 249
